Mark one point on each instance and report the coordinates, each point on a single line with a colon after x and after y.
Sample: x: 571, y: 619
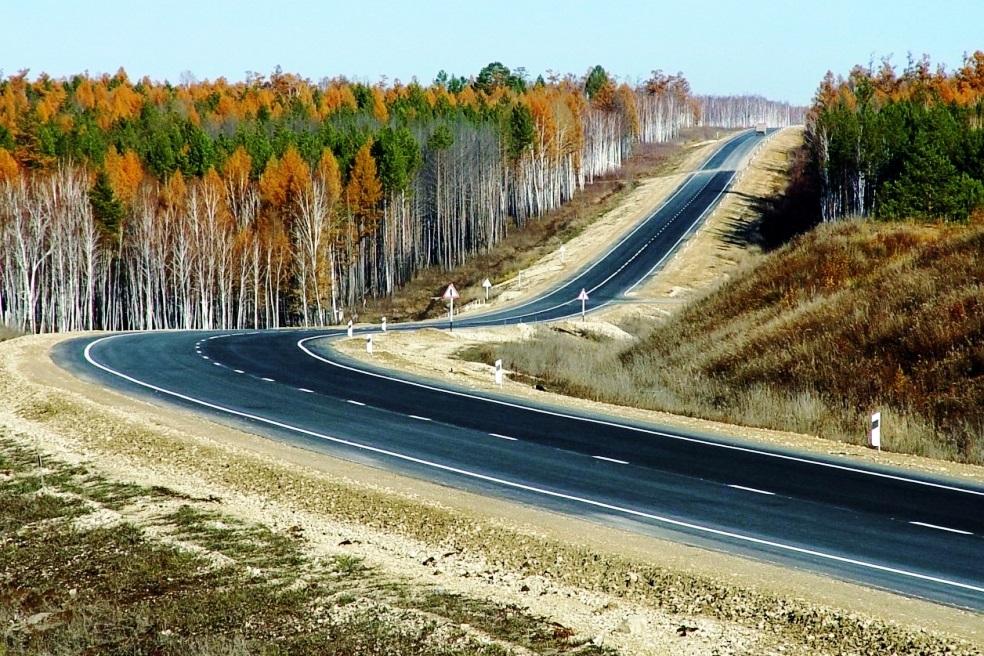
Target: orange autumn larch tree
x: 364, y: 192
x: 9, y: 169
x: 125, y: 173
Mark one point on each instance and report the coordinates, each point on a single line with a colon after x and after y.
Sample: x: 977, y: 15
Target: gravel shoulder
x: 628, y: 592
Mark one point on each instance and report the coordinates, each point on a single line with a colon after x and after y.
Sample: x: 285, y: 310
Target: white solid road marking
x: 419, y: 417
x: 942, y: 528
x: 752, y: 489
x: 529, y: 488
x: 617, y: 462
x: 269, y: 380
x: 304, y: 389
x: 503, y: 437
x: 360, y: 403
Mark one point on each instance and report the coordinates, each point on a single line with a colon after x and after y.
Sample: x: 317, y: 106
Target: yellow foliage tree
x: 9, y: 170
x: 125, y: 173
x: 174, y: 192
x: 329, y: 173
x: 364, y: 191
x: 283, y: 180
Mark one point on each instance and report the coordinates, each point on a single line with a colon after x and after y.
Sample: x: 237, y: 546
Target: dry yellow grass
x: 851, y: 318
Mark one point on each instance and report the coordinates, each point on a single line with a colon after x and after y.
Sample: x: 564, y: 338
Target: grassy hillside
x: 849, y: 318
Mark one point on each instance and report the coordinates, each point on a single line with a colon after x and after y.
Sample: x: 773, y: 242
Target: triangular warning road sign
x: 583, y: 296
x: 451, y: 292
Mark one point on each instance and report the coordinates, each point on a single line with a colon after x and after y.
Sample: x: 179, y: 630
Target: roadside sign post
x: 369, y: 344
x: 583, y: 296
x: 450, y: 294
x: 350, y: 328
x: 488, y: 285
x: 563, y: 253
x: 874, y: 441
x: 498, y: 373
x: 520, y: 279
x: 384, y: 324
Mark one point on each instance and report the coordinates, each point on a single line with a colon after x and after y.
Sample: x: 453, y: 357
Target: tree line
x: 898, y: 146
x: 745, y: 111
x: 280, y: 201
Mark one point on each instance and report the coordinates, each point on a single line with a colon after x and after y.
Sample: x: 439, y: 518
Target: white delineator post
x: 488, y: 285
x: 369, y: 344
x: 563, y: 254
x: 450, y: 294
x: 384, y: 324
x: 583, y: 297
x: 498, y: 373
x: 874, y: 441
x: 350, y: 328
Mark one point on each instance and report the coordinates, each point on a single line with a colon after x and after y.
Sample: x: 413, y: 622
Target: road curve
x: 890, y: 529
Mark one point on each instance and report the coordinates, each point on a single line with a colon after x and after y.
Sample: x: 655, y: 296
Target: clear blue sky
x: 780, y: 49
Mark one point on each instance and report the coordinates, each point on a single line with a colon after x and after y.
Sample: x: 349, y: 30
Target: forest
x: 900, y: 146
x: 278, y: 201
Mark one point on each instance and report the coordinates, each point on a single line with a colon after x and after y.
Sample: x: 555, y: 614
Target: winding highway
x: 891, y: 529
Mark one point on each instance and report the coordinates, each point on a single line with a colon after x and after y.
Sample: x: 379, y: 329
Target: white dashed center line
x: 617, y: 462
x: 419, y: 417
x: 503, y: 437
x: 752, y: 489
x: 356, y: 402
x: 942, y: 528
x: 304, y: 389
x: 269, y: 380
x: 239, y: 371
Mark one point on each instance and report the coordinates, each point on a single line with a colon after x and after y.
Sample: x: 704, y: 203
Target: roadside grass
x: 848, y: 319
x: 193, y: 580
x: 6, y: 332
x: 509, y: 621
x: 537, y: 238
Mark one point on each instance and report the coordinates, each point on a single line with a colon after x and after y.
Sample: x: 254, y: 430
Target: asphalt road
x: 640, y: 253
x: 890, y: 529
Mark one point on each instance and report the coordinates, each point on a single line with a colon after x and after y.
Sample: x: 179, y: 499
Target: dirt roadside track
x: 480, y: 547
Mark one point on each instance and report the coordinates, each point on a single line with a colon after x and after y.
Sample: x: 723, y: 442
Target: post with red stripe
x: 583, y: 296
x: 450, y: 294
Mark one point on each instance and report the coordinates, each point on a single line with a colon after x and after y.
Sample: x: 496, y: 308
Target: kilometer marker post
x: 583, y: 296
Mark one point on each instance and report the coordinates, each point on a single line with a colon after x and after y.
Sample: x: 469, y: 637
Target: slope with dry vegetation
x: 850, y: 318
